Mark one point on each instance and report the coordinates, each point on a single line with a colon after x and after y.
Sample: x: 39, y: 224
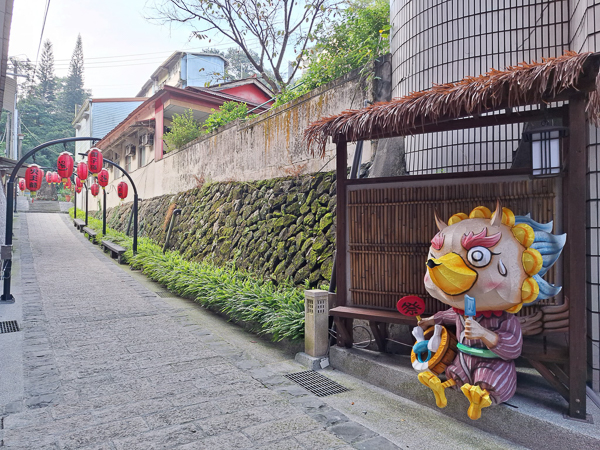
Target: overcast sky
x: 120, y: 47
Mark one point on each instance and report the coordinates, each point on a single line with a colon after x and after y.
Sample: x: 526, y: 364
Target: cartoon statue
x: 486, y: 267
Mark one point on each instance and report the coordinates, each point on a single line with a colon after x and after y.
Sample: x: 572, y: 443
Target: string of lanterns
x: 65, y: 168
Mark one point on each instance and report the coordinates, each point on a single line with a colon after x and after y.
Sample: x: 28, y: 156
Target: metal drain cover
x: 165, y: 294
x: 316, y: 383
x: 9, y: 326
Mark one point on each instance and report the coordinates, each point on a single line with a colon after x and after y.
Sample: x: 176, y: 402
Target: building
x: 440, y: 42
x: 96, y: 117
x: 136, y: 143
x: 183, y: 69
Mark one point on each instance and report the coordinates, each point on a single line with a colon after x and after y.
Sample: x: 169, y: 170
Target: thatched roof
x: 550, y: 80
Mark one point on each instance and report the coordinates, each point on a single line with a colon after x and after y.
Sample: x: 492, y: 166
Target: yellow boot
x: 435, y: 384
x: 479, y: 398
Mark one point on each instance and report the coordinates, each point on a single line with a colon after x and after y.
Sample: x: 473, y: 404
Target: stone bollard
x: 316, y: 330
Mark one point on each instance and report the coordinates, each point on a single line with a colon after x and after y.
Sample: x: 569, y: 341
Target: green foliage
x: 277, y: 311
x: 74, y: 92
x: 184, y: 129
x: 360, y: 36
x: 228, y: 112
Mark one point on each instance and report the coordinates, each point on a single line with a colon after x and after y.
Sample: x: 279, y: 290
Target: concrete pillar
x: 316, y: 328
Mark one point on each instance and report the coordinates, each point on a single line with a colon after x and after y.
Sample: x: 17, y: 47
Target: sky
x: 121, y: 48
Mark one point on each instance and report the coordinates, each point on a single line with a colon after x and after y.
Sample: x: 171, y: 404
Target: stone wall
x: 279, y: 228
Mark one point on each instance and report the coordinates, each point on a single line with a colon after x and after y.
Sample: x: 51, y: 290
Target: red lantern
x: 22, y: 184
x: 33, y: 178
x: 55, y: 178
x: 122, y: 190
x: 82, y: 171
x: 95, y: 189
x: 95, y: 160
x: 103, y: 178
x: 78, y: 183
x: 78, y: 189
x: 49, y: 177
x: 68, y: 184
x: 65, y: 165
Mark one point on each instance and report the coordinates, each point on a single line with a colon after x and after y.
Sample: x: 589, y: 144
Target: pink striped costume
x: 499, y: 373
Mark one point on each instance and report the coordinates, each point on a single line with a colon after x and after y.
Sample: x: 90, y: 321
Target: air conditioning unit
x: 129, y: 150
x: 147, y: 139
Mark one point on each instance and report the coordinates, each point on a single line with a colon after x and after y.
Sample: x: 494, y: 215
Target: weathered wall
x: 279, y: 228
x: 266, y: 147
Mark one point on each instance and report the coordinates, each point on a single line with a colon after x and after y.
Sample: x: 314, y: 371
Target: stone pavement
x: 110, y: 365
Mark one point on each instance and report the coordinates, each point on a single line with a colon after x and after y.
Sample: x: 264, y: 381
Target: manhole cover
x: 165, y: 294
x: 9, y: 326
x: 316, y: 383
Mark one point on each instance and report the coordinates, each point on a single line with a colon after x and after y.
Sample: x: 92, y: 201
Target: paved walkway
x: 110, y: 365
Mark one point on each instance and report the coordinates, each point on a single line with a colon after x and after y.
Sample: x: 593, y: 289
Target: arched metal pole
x: 104, y: 212
x: 87, y: 197
x: 6, y: 250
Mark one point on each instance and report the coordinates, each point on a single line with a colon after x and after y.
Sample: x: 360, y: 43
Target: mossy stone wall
x: 279, y: 228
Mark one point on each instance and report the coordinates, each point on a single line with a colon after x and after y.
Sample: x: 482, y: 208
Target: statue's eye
x: 479, y: 256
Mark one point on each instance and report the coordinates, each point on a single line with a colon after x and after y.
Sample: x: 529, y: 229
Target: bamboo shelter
x: 384, y: 225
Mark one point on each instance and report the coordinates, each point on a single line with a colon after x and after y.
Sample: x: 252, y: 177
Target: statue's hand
x: 474, y: 330
x: 427, y: 323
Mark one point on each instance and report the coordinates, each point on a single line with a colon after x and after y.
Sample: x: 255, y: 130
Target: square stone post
x: 316, y: 328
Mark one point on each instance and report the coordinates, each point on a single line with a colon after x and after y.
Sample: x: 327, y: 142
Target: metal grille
x: 165, y: 294
x: 316, y: 383
x: 9, y: 326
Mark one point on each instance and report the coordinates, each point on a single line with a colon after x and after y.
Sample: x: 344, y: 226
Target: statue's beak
x: 451, y: 274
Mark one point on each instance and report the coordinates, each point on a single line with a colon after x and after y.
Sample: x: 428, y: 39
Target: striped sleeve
x: 510, y: 339
x: 447, y: 317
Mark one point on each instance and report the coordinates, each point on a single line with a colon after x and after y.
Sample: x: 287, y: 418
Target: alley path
x: 110, y: 365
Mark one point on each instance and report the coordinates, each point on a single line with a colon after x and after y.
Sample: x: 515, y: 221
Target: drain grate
x: 9, y: 326
x: 316, y: 383
x: 165, y: 294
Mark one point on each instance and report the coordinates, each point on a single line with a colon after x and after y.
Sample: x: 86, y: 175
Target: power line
x: 42, y: 33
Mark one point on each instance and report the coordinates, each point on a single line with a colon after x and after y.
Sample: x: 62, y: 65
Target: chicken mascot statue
x: 486, y: 266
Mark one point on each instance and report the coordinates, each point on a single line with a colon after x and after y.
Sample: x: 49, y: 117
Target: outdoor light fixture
x: 546, y: 148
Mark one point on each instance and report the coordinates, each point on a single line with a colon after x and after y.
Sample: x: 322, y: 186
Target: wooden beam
x: 341, y: 213
x: 574, y: 216
x: 551, y: 378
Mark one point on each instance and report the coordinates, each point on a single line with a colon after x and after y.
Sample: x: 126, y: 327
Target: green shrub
x: 184, y: 129
x: 277, y: 311
x: 228, y: 112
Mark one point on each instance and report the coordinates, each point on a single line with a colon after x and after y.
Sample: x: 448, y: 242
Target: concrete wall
x: 266, y: 147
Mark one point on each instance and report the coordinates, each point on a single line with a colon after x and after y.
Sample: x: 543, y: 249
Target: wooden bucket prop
x: 444, y: 355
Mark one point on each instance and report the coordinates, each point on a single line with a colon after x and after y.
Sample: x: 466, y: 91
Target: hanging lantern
x: 22, y: 184
x: 49, y: 177
x: 95, y: 160
x: 78, y: 189
x: 78, y: 183
x: 33, y: 178
x: 95, y: 189
x: 65, y: 165
x: 82, y: 171
x: 103, y: 178
x: 55, y: 177
x: 68, y: 184
x: 122, y: 190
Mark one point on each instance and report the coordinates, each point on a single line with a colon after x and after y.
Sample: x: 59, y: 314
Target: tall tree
x: 74, y: 93
x: 45, y: 73
x: 277, y: 27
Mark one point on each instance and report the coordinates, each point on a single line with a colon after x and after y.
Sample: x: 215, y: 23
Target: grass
x: 277, y: 311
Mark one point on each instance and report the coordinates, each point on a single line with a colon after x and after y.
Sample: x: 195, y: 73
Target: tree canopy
x: 273, y: 27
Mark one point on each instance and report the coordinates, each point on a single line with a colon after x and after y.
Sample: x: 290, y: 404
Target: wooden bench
x: 116, y: 251
x: 91, y: 234
x: 78, y: 223
x: 378, y: 318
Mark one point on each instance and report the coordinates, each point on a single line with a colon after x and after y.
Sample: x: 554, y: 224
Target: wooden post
x: 344, y: 326
x: 574, y: 207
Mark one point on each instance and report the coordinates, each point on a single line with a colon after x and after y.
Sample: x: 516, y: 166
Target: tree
x: 45, y: 73
x: 74, y: 94
x: 359, y: 37
x: 278, y: 26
